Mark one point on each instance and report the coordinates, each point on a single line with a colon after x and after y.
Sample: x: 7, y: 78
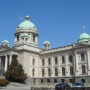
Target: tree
x: 15, y: 72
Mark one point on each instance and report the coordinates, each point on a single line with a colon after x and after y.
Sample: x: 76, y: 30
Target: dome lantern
x: 27, y: 18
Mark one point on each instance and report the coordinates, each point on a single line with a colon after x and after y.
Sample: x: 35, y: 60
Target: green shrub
x: 3, y: 82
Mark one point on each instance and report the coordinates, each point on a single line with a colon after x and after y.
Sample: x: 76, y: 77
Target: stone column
x: 52, y: 66
x: 88, y: 61
x: 0, y: 61
x: 10, y: 59
x: 76, y: 64
x: 5, y: 62
x: 66, y: 64
x: 58, y: 65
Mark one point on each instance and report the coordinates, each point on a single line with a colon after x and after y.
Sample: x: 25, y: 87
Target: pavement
x: 16, y: 86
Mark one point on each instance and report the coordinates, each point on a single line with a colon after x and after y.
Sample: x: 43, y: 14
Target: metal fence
x: 45, y: 88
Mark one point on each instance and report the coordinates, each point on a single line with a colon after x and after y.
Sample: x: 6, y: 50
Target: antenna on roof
x: 84, y: 27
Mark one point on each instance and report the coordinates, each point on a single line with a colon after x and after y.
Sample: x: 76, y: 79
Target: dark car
x: 61, y: 86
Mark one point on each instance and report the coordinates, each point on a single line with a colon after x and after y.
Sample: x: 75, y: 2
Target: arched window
x: 49, y: 72
x: 43, y: 63
x: 43, y: 72
x: 83, y: 69
x: 71, y: 70
x: 63, y: 71
x: 33, y: 72
x: 56, y: 72
x: 70, y: 58
x: 49, y: 61
x: 63, y: 60
x: 33, y: 62
x: 82, y: 57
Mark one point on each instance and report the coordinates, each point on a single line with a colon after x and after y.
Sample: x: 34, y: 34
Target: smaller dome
x: 24, y: 35
x: 46, y: 42
x: 84, y: 37
x: 5, y: 41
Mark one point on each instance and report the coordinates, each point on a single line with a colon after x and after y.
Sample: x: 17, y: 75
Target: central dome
x: 26, y: 24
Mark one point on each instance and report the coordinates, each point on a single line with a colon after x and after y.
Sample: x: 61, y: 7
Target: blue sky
x: 58, y: 21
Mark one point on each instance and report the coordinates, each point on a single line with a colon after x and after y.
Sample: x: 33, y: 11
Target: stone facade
x: 47, y: 66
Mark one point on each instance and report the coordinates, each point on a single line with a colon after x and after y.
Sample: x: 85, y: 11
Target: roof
x: 5, y: 41
x: 83, y: 37
x: 27, y: 24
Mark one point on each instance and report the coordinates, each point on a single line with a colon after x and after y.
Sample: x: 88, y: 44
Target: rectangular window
x: 63, y: 60
x: 56, y: 61
x: 43, y: 62
x: 34, y: 38
x: 17, y: 37
x: 71, y: 80
x: 62, y: 80
x: 48, y: 80
x: 55, y: 80
x: 41, y: 80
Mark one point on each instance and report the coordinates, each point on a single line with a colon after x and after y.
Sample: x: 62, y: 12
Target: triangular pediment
x: 81, y: 45
x: 4, y: 48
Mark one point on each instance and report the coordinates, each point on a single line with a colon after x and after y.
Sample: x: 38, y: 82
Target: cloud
x: 21, y: 18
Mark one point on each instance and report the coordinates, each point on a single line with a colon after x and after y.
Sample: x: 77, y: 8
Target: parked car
x: 61, y: 86
x: 78, y: 84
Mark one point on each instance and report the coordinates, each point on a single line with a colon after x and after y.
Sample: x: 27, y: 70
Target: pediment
x: 81, y: 45
x: 4, y: 48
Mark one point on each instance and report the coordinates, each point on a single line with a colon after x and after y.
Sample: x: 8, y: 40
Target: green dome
x: 26, y: 24
x: 46, y: 42
x: 24, y: 35
x: 5, y: 41
x: 83, y: 37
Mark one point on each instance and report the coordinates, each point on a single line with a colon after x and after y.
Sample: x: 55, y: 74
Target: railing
x: 46, y: 88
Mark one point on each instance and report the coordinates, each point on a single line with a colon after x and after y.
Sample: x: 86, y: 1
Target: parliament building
x: 47, y: 66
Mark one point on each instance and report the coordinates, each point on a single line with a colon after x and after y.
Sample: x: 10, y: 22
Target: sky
x: 58, y: 21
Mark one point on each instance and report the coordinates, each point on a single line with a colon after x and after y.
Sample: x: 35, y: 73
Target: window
x: 83, y: 80
x: 70, y: 59
x: 33, y: 72
x: 34, y: 38
x: 71, y: 70
x: 33, y: 62
x: 63, y: 60
x: 62, y: 80
x: 63, y: 71
x: 56, y: 61
x: 41, y: 80
x: 83, y: 69
x: 49, y: 72
x: 82, y: 57
x: 55, y: 80
x: 56, y: 72
x: 43, y: 72
x: 48, y: 80
x: 71, y: 80
x: 26, y: 39
x: 17, y: 37
x: 43, y: 63
x: 33, y: 81
x: 49, y: 61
